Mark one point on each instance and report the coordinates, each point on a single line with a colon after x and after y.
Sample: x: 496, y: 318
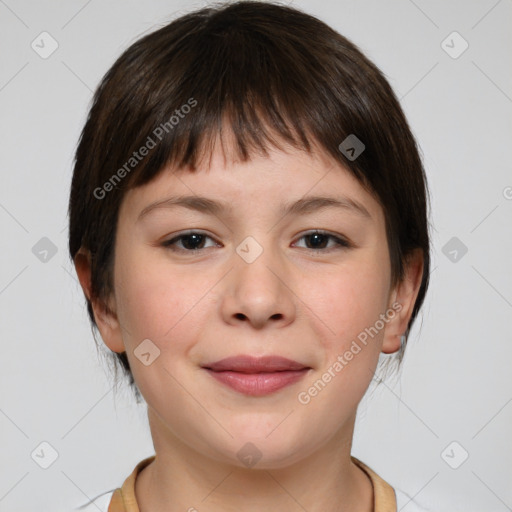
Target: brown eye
x: 187, y: 242
x: 318, y: 240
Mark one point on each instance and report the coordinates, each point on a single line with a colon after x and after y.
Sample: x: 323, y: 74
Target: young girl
x: 248, y: 221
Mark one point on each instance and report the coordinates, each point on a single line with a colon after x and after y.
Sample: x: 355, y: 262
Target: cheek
x: 158, y: 304
x: 346, y: 301
x: 346, y: 305
x: 167, y: 308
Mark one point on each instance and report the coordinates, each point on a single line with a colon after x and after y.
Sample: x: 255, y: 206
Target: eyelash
x: 340, y: 242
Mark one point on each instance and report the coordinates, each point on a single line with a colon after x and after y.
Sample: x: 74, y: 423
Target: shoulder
x: 387, y: 497
x: 407, y: 504
x: 125, y: 494
x: 98, y: 504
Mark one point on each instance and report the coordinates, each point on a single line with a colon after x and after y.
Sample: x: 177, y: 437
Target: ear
x: 104, y: 314
x: 402, y: 300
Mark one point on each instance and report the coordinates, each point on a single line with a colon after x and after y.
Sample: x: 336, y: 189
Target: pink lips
x: 256, y: 376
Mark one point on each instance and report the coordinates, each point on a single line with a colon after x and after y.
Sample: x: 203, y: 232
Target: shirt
x: 123, y: 499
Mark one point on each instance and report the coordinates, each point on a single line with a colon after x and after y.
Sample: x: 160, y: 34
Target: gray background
x: 456, y: 382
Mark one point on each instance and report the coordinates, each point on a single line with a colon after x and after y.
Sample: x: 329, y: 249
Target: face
x: 282, y: 256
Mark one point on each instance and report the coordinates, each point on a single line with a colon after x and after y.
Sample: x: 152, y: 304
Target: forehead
x: 263, y: 182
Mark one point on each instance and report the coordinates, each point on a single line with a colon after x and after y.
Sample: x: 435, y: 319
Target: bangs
x: 237, y: 130
x: 188, y: 88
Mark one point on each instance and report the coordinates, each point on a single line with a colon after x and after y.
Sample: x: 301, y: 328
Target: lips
x: 257, y: 376
x: 249, y: 364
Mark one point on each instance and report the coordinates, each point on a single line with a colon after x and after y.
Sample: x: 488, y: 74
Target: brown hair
x: 271, y: 73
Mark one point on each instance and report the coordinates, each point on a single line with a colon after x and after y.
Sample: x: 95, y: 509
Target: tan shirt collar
x: 123, y: 499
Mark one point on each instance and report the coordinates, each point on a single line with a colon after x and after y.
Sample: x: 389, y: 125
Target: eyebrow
x: 300, y: 207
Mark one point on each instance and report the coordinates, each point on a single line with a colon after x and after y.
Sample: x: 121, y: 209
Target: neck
x: 181, y: 479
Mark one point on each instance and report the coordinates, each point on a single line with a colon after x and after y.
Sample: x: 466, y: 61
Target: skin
x: 201, y: 306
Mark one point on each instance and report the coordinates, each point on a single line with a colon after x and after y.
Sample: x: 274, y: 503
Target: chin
x: 266, y: 447
x: 267, y: 457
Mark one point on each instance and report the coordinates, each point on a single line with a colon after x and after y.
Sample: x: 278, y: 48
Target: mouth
x: 257, y: 376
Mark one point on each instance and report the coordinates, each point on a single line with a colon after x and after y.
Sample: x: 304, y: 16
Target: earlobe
x: 104, y: 314
x: 402, y: 302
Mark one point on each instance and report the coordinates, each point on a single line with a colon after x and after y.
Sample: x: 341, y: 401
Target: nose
x: 258, y: 293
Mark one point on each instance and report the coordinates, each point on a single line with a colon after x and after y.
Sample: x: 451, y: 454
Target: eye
x: 194, y: 241
x: 319, y: 239
x: 188, y: 242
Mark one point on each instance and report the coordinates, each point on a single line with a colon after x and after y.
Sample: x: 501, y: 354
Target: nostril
x: 276, y: 316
